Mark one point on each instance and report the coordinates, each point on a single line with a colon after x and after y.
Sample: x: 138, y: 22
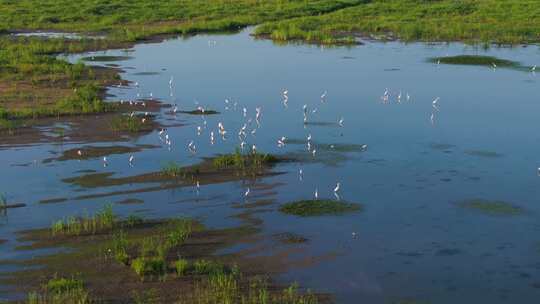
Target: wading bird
x: 281, y: 142
x: 247, y: 192
x: 337, y: 188
x: 435, y: 104
x: 316, y: 194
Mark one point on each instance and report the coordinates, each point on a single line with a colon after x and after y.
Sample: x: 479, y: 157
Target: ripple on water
x: 483, y: 153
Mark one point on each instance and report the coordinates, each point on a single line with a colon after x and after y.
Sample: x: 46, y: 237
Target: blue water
x: 413, y: 240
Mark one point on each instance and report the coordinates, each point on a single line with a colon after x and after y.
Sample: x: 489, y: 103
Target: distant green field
x: 508, y: 21
x: 326, y: 21
x: 135, y: 19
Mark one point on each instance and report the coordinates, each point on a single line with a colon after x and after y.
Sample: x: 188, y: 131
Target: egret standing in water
x: 301, y: 174
x: 340, y: 122
x: 104, y: 161
x: 316, y: 194
x: 281, y: 142
x: 323, y: 96
x: 337, y: 188
x: 131, y: 159
x: 247, y: 192
x: 435, y: 104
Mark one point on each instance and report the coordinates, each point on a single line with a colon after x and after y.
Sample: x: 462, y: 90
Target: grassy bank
x: 506, y: 22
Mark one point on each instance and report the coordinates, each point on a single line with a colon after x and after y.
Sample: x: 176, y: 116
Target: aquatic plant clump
x: 200, y: 112
x: 130, y: 123
x: 492, y: 207
x: 61, y: 290
x: 104, y: 220
x: 172, y: 169
x: 475, y: 60
x: 306, y: 208
x: 239, y: 160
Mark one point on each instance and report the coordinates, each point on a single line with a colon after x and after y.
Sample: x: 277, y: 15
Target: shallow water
x: 413, y: 239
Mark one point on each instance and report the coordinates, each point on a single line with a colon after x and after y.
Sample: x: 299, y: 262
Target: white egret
x: 316, y: 194
x: 435, y: 103
x: 337, y: 188
x: 323, y: 96
x: 247, y: 192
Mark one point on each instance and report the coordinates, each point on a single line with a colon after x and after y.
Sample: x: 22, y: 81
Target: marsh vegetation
x: 305, y: 208
x: 164, y: 255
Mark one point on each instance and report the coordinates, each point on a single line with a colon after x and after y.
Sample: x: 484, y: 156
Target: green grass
x: 484, y: 21
x: 181, y: 266
x: 103, y: 220
x: 149, y: 266
x: 172, y: 169
x: 228, y: 288
x: 306, y: 208
x: 206, y: 267
x: 127, y: 123
x: 239, y: 160
x: 61, y: 291
x: 133, y: 20
x: 492, y: 207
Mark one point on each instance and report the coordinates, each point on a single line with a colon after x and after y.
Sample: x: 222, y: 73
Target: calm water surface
x: 413, y: 240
